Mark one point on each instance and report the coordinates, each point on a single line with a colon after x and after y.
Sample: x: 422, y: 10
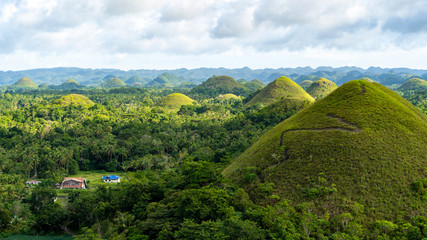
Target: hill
x: 24, y: 83
x: 413, y: 84
x: 76, y: 99
x: 220, y: 85
x: 228, y: 96
x: 321, y: 88
x: 254, y: 85
x: 164, y: 80
x: 113, y: 83
x: 282, y: 87
x: 176, y: 100
x: 305, y: 84
x: 70, y: 84
x: 362, y: 143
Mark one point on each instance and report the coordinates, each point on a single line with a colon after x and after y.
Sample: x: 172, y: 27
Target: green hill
x: 282, y: 87
x: 413, y: 84
x: 76, y: 99
x: 254, y: 85
x: 220, y: 85
x: 135, y: 79
x: 362, y: 143
x: 70, y: 84
x: 24, y: 83
x: 164, y: 80
x: 176, y: 100
x: 113, y: 83
x: 321, y: 88
x: 228, y: 96
x: 305, y: 84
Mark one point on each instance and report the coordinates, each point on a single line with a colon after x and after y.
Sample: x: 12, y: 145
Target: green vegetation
x: 164, y: 80
x: 321, y: 88
x: 282, y: 87
x: 351, y: 171
x: 176, y: 100
x: 305, y: 84
x: 413, y: 84
x: 113, y: 83
x: 362, y: 139
x: 70, y: 84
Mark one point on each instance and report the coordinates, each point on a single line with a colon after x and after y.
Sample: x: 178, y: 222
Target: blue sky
x: 160, y: 34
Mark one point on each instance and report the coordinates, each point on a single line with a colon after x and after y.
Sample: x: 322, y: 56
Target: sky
x: 170, y: 34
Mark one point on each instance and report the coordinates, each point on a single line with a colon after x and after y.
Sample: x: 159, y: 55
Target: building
x: 111, y: 178
x: 74, y: 182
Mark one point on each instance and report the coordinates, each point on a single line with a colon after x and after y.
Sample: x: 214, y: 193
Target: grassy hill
x: 228, y: 96
x: 282, y: 87
x: 113, y: 83
x: 305, y: 84
x: 362, y: 143
x: 413, y: 84
x: 70, y: 84
x: 24, y: 83
x: 76, y: 99
x: 220, y: 85
x: 176, y: 100
x: 164, y: 80
x: 321, y: 88
x: 254, y: 85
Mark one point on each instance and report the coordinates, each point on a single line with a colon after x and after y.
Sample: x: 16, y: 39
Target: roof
x: 111, y: 177
x: 79, y: 179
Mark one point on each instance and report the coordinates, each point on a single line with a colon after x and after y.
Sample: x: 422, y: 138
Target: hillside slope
x: 363, y: 140
x: 321, y: 88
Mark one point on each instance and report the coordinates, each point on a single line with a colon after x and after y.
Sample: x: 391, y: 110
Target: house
x: 74, y: 182
x: 111, y: 178
x: 33, y: 182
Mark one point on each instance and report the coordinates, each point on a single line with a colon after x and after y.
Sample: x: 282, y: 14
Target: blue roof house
x: 111, y: 178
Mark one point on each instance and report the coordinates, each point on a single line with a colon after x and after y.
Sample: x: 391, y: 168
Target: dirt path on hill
x: 352, y: 128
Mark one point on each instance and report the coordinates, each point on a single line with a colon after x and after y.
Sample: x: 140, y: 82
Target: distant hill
x: 135, y: 79
x: 70, y: 84
x: 176, y: 100
x: 24, y: 83
x: 321, y: 88
x: 113, y: 83
x: 254, y: 85
x: 76, y: 99
x: 220, y: 85
x: 282, y: 87
x: 362, y: 143
x: 305, y: 84
x: 164, y: 80
x: 413, y: 84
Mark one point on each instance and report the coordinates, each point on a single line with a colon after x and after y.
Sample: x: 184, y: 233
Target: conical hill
x: 362, y: 143
x: 25, y: 83
x: 321, y: 88
x: 305, y: 84
x: 176, y: 100
x: 113, y: 83
x: 76, y: 99
x: 282, y: 87
x: 413, y: 84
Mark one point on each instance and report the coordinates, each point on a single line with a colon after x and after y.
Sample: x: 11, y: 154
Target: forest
x: 171, y: 158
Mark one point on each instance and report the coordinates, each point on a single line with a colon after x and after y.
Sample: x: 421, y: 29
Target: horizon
x: 133, y: 34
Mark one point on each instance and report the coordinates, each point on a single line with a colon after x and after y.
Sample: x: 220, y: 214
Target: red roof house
x: 74, y: 182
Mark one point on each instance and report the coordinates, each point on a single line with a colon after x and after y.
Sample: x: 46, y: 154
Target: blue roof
x: 111, y: 177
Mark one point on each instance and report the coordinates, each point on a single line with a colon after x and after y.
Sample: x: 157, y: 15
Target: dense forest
x: 170, y: 150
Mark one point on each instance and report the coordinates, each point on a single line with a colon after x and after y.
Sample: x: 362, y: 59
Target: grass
x: 321, y: 88
x: 77, y: 99
x: 282, y: 87
x: 32, y: 237
x: 305, y: 84
x: 374, y: 166
x: 114, y: 83
x: 25, y: 83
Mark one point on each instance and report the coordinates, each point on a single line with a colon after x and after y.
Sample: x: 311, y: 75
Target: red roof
x: 79, y: 181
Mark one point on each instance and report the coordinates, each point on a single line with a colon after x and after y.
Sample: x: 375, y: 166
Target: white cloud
x: 189, y: 28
